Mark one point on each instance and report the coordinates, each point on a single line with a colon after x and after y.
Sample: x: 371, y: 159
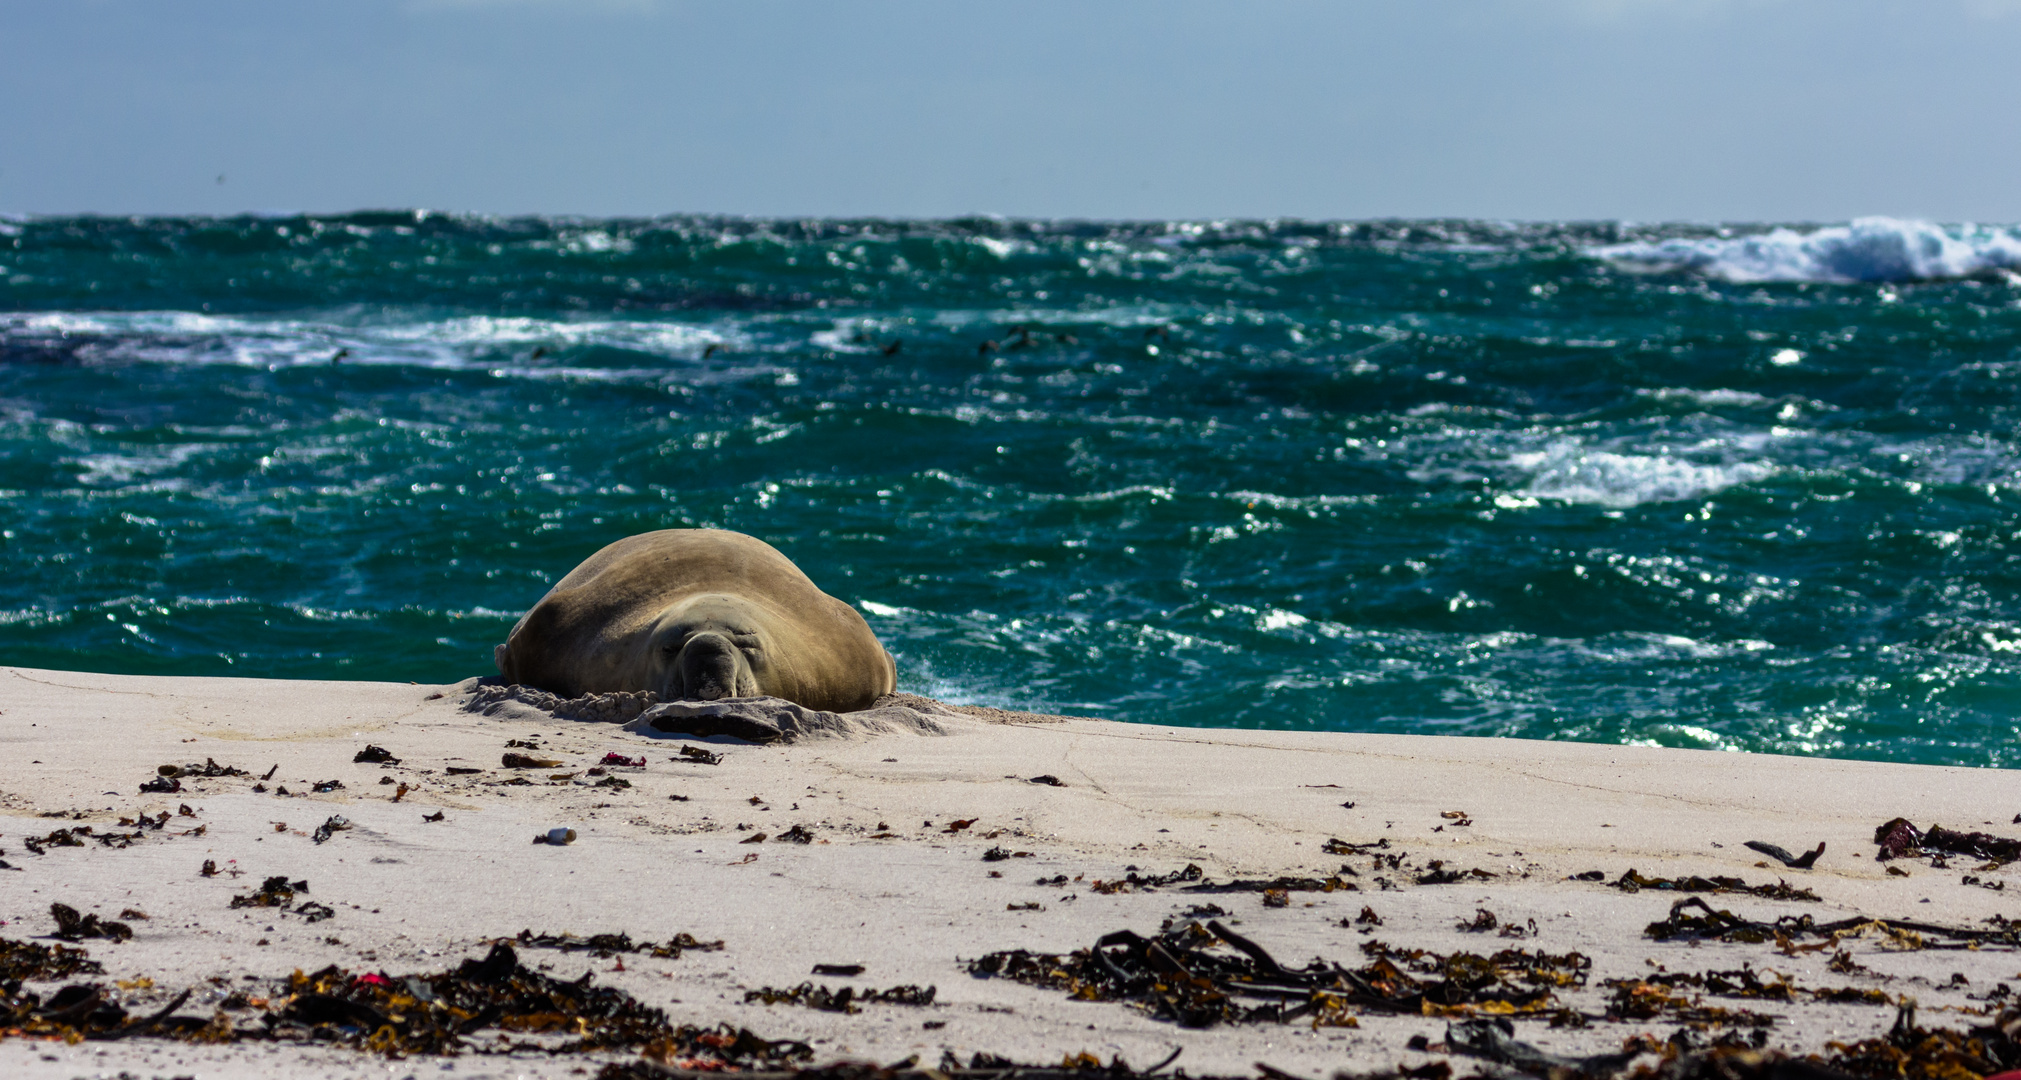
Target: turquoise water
x: 1741, y: 489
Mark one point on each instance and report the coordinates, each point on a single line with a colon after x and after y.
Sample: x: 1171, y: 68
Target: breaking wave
x: 1870, y: 249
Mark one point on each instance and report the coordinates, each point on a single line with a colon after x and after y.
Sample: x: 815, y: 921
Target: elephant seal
x: 697, y: 614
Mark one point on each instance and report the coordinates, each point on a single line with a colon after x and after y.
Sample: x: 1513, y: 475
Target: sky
x: 1641, y: 110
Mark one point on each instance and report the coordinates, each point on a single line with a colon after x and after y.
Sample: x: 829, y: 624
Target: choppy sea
x: 1746, y: 488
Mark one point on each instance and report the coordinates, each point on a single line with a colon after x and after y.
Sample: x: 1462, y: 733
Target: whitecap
x: 1870, y: 249
x: 1568, y: 471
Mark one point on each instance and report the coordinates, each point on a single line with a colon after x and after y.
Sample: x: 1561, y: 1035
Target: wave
x: 507, y: 346
x: 1870, y: 249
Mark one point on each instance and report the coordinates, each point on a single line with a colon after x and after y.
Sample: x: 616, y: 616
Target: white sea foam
x: 1711, y: 399
x: 1868, y: 249
x: 1569, y: 471
x: 464, y: 343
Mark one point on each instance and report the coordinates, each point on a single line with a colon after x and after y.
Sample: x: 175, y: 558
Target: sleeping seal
x: 697, y: 614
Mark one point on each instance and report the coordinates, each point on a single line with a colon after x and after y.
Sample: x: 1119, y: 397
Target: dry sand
x: 888, y: 886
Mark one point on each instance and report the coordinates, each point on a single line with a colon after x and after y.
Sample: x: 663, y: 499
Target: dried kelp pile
x: 1633, y: 881
x: 1199, y: 976
x: 608, y: 945
x: 27, y: 960
x: 439, y: 1013
x: 1676, y: 996
x: 1898, y: 838
x: 1081, y: 1066
x: 845, y: 1000
x: 1693, y: 919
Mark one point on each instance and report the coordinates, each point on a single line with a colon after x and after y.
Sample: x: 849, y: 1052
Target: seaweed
x: 1795, y: 862
x: 1184, y: 975
x: 1634, y: 881
x: 1494, y: 1039
x: 700, y: 756
x: 375, y: 755
x: 1713, y: 924
x: 23, y: 960
x: 608, y: 945
x: 981, y: 1066
x: 210, y: 768
x: 844, y: 1000
x: 71, y: 925
x: 435, y: 1014
x: 1911, y: 1052
x: 275, y: 892
x: 1898, y: 838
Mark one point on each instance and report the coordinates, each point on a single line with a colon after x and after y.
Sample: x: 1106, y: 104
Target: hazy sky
x: 1639, y: 109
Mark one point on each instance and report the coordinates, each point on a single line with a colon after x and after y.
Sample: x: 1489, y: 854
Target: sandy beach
x: 912, y: 856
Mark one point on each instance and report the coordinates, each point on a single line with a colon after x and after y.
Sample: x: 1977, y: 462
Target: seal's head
x: 708, y: 647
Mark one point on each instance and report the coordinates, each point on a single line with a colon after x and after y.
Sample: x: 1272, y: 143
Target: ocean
x: 1745, y: 488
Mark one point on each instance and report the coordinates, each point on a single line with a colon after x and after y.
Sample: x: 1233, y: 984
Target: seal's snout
x: 707, y: 668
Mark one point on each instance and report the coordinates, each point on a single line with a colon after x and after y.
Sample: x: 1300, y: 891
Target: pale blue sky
x: 1638, y: 109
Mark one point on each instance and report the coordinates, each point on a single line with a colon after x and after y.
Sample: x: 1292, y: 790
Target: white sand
x: 419, y: 896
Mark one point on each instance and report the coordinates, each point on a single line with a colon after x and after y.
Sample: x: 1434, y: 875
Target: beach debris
x: 615, y: 758
x: 209, y: 868
x: 957, y: 826
x: 844, y: 1000
x: 461, y: 770
x: 443, y: 1012
x: 23, y: 960
x: 275, y: 892
x: 1185, y: 975
x: 846, y: 971
x: 326, y: 786
x: 1634, y: 881
x: 699, y: 756
x: 615, y: 782
x: 559, y: 836
x: 527, y: 761
x: 436, y: 816
x: 375, y: 755
x: 754, y: 838
x: 270, y: 773
x: 1436, y: 874
x: 400, y: 792
x: 71, y: 925
x: 76, y: 835
x: 1047, y: 779
x: 798, y: 834
x: 161, y: 785
x: 1000, y: 853
x: 1693, y: 919
x: 334, y: 824
x: 1494, y: 1039
x: 608, y: 945
x: 1133, y: 881
x: 1899, y: 838
x: 1337, y: 846
x: 1795, y: 862
x: 210, y: 768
